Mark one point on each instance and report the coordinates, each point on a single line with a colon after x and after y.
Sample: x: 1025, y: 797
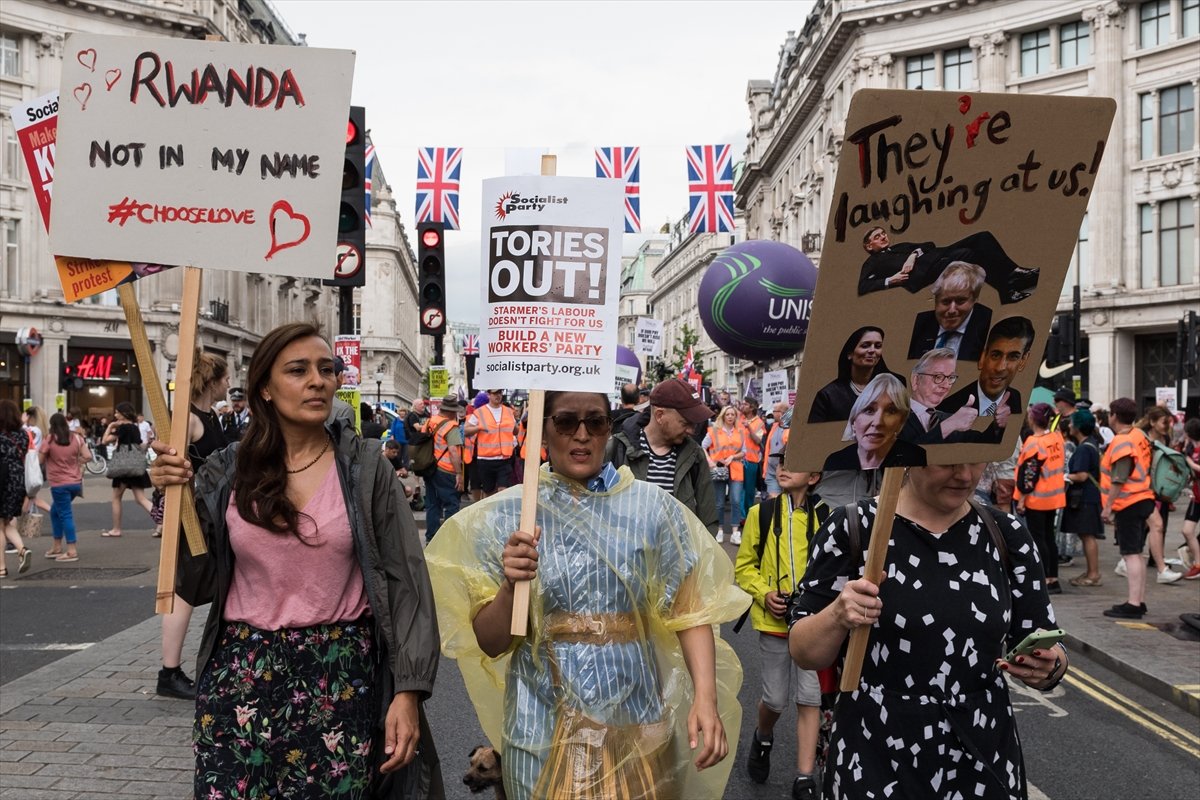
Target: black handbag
x: 1027, y: 475
x: 1075, y: 495
x: 127, y: 462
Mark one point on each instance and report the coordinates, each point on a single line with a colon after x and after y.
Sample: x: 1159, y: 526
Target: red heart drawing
x: 111, y: 77
x: 964, y: 104
x: 277, y: 242
x: 83, y: 93
x: 87, y: 58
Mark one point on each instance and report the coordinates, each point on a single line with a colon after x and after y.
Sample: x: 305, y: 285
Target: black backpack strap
x: 988, y: 515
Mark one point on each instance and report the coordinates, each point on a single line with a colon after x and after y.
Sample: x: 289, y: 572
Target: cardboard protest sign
x: 349, y: 348
x: 649, y: 336
x: 552, y: 275
x: 200, y: 152
x: 953, y: 222
x: 36, y: 123
x: 775, y: 387
x: 622, y: 374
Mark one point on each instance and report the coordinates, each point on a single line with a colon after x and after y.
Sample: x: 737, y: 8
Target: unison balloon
x: 756, y: 299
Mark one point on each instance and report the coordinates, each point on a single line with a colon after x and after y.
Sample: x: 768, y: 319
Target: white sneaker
x: 1169, y: 576
x: 720, y: 535
x: 736, y: 538
x: 1120, y: 569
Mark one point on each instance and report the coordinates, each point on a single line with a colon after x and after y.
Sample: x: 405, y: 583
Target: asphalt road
x: 1096, y: 736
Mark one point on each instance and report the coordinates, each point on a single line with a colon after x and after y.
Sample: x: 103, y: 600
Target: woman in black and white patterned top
x: 931, y: 717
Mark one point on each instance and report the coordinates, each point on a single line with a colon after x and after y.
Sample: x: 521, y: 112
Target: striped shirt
x: 661, y: 471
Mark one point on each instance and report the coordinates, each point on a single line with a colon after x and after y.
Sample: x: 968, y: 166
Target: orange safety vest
x: 522, y: 433
x: 441, y: 447
x: 754, y: 451
x: 1131, y: 444
x: 771, y: 437
x: 496, y: 439
x: 724, y: 444
x: 469, y: 438
x: 1050, y: 492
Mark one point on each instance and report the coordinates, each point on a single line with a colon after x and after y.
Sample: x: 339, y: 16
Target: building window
x: 1176, y: 119
x: 920, y: 71
x: 1035, y: 52
x: 958, y: 71
x: 12, y: 155
x: 1146, y: 243
x: 1075, y: 44
x: 1176, y: 253
x: 10, y: 57
x: 1146, y: 125
x: 1081, y: 262
x: 357, y: 320
x: 1155, y: 17
x: 11, y: 252
x: 1191, y: 17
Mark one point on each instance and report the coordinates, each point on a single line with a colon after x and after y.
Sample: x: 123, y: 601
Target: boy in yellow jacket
x: 770, y: 563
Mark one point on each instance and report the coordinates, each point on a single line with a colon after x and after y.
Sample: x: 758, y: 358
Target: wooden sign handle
x: 533, y: 447
x: 881, y: 532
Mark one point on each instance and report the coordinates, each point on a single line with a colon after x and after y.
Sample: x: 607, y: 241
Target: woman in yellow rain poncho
x: 621, y: 685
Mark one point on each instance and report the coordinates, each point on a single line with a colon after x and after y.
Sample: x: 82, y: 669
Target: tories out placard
x: 179, y: 151
x: 551, y: 282
x: 953, y: 222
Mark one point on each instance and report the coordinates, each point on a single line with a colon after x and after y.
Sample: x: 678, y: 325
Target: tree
x: 687, y: 341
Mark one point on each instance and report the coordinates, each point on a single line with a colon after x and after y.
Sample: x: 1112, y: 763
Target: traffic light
x: 68, y: 379
x: 350, y: 262
x: 1060, y: 347
x: 431, y: 268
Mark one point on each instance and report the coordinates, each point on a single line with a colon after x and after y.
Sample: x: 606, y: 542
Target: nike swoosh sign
x: 1047, y: 373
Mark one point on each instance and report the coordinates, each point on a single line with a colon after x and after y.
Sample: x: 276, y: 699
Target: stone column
x: 1105, y: 209
x: 991, y: 61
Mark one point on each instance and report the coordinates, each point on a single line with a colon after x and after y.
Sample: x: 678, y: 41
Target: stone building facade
x: 1136, y: 259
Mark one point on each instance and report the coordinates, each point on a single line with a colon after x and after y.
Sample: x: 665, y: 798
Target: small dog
x: 485, y: 772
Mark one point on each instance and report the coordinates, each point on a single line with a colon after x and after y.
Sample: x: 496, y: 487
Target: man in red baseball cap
x: 658, y: 447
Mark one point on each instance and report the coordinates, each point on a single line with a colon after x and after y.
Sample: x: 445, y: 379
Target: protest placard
x: 439, y: 382
x: 1165, y: 396
x: 36, y: 124
x: 775, y: 387
x: 623, y: 374
x: 951, y: 230
x: 180, y: 151
x: 349, y: 349
x: 552, y: 274
x: 648, y: 336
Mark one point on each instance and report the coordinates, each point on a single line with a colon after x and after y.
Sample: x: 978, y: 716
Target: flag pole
x: 535, y: 411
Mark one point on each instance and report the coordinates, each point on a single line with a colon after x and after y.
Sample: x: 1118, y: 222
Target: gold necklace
x: 328, y: 441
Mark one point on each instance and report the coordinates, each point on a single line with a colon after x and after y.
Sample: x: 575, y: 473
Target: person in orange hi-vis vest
x: 1049, y: 493
x: 494, y: 428
x: 1127, y: 501
x: 470, y: 463
x: 443, y: 487
x: 726, y: 447
x: 777, y: 439
x: 756, y: 440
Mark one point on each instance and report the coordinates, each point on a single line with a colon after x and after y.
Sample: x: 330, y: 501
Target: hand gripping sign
x: 953, y: 222
x: 552, y: 275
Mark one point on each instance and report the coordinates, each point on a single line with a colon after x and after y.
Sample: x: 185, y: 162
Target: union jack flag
x: 689, y: 364
x: 438, y: 171
x: 624, y: 163
x: 710, y: 188
x: 470, y: 344
x: 369, y: 159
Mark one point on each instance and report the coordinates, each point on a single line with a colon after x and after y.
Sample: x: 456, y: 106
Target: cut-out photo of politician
x: 932, y: 379
x: 860, y: 360
x: 1004, y: 357
x: 916, y: 265
x: 873, y: 430
x: 958, y: 320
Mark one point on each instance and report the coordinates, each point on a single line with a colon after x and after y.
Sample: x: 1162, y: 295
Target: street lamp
x: 378, y: 388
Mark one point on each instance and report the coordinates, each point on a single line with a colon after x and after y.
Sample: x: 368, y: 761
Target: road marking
x: 53, y: 646
x: 1138, y: 626
x: 1183, y: 739
x: 1036, y: 793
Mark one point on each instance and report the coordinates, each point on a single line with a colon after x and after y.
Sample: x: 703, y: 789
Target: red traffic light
x: 431, y: 237
x: 351, y: 133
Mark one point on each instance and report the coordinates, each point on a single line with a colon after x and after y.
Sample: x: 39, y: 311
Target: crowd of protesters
x: 693, y: 475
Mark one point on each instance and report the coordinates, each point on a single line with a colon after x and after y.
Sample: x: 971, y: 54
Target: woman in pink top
x: 321, y: 643
x: 64, y: 454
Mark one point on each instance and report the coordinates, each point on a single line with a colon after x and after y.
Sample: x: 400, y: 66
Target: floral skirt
x: 287, y: 713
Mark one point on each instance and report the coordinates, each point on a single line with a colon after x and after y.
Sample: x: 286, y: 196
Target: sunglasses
x: 567, y: 424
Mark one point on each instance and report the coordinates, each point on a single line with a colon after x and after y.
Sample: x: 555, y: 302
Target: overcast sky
x: 565, y: 76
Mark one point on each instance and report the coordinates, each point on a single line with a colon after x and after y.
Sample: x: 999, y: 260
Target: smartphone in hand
x: 1038, y: 640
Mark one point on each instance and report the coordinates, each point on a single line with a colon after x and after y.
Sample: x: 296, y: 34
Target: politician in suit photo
x: 915, y: 265
x: 873, y: 430
x: 1004, y: 357
x: 932, y: 378
x: 958, y: 320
